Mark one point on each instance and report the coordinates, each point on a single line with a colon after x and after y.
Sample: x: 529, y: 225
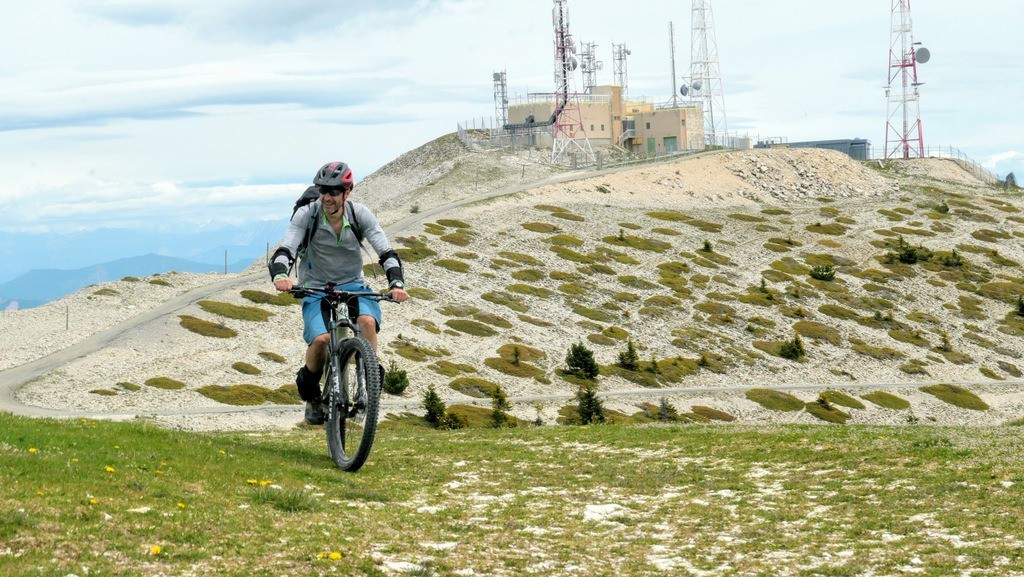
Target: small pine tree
x: 395, y: 380
x: 707, y: 246
x: 793, y: 349
x: 516, y: 355
x: 629, y: 359
x: 622, y: 234
x: 1020, y: 305
x: 451, y: 421
x: 654, y: 368
x: 580, y: 362
x: 946, y: 344
x: 500, y: 406
x: 434, y: 406
x: 666, y: 412
x: 590, y: 410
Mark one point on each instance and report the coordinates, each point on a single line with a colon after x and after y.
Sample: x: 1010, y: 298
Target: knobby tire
x: 350, y: 433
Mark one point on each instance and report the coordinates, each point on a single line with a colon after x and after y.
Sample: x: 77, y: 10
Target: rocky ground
x: 614, y: 257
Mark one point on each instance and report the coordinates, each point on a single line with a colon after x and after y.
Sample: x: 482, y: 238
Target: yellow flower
x: 117, y: 446
x: 335, y: 555
x: 181, y: 505
x: 155, y: 550
x: 265, y: 483
x: 94, y: 501
x: 223, y: 452
x: 40, y: 493
x: 163, y: 463
x: 320, y: 555
x: 251, y: 481
x: 159, y: 472
x: 74, y: 459
x: 109, y: 469
x: 85, y: 420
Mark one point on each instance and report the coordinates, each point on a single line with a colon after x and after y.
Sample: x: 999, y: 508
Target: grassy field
x: 100, y: 498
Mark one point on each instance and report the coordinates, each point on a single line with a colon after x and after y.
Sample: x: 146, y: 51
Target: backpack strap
x: 356, y: 227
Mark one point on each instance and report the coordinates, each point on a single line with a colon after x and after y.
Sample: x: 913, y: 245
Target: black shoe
x: 315, y: 413
x: 308, y: 384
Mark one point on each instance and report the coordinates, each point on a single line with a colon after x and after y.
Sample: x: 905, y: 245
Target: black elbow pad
x: 279, y: 268
x: 394, y: 274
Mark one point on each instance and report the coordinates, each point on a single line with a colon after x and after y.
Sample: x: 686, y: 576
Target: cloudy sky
x: 138, y: 112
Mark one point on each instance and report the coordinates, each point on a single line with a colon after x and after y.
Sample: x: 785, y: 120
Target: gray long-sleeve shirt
x: 332, y: 258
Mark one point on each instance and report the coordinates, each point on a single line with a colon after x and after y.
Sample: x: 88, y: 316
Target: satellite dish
x: 628, y: 52
x: 697, y: 84
x: 497, y: 76
x: 923, y: 55
x: 684, y: 90
x: 573, y: 62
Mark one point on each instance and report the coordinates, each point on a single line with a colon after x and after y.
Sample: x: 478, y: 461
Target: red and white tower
x: 568, y: 119
x: 903, y: 136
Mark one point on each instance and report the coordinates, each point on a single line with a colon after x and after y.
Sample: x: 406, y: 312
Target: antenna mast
x: 501, y: 98
x: 704, y: 69
x: 619, y: 54
x: 590, y: 65
x: 568, y: 119
x: 903, y: 135
x: 672, y: 54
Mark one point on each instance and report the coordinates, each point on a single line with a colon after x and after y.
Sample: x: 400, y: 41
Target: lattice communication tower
x: 705, y: 72
x: 619, y: 71
x: 903, y: 136
x: 569, y: 130
x: 501, y: 98
x: 590, y: 65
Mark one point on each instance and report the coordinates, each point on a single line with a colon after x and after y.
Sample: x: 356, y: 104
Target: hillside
x: 703, y: 263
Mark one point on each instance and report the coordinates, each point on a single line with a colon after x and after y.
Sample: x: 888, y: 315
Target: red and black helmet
x: 334, y: 175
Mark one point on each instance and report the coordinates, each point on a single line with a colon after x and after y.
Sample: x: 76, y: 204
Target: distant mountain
x: 41, y: 286
x: 22, y: 252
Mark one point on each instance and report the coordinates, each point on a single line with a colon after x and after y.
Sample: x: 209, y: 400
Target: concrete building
x: 636, y: 126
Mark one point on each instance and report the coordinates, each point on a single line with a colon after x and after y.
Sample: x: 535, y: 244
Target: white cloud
x: 136, y: 109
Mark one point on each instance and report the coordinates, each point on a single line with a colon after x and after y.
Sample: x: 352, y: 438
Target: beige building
x: 607, y: 120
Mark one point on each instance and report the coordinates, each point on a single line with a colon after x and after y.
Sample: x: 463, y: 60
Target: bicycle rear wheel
x: 353, y: 404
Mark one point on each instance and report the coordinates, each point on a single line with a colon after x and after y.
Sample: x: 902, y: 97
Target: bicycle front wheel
x: 353, y: 405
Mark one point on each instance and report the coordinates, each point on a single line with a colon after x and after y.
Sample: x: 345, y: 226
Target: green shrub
x: 452, y: 265
x: 712, y: 414
x: 164, y: 383
x: 580, y: 362
x: 159, y: 282
x: 106, y: 292
x: 413, y: 249
x: 245, y: 368
x: 775, y: 400
x: 130, y: 279
x: 265, y: 298
x: 128, y: 386
x: 541, y: 227
x: 103, y: 392
x: 824, y: 410
x: 794, y: 349
x: 842, y: 399
x: 471, y: 327
x: 395, y: 380
x: 824, y: 272
x: 249, y: 395
x: 957, y: 396
x: 273, y: 357
x: 887, y: 400
x: 206, y: 328
x: 474, y: 387
x: 234, y: 311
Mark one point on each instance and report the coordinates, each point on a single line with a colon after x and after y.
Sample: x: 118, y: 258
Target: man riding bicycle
x: 326, y: 234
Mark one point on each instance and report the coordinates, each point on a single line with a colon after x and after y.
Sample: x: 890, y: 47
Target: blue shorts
x: 313, y: 317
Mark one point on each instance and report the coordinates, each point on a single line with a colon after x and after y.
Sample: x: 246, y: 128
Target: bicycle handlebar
x: 330, y: 291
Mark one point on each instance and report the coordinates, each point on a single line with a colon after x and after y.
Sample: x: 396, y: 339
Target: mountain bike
x: 351, y: 388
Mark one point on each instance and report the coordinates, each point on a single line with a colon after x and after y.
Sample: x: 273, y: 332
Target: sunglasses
x: 333, y: 191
